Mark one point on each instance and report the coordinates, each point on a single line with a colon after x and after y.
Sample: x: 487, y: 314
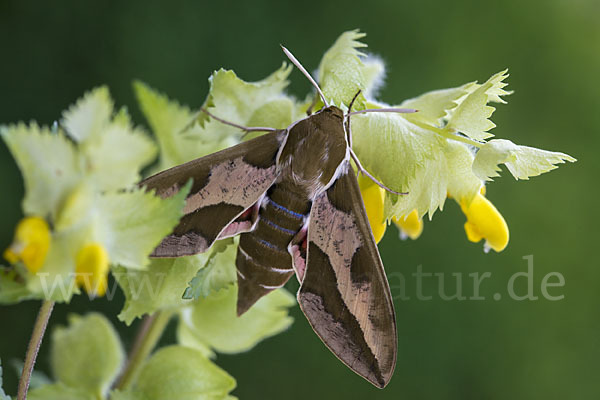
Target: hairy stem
x: 34, y: 347
x: 148, y: 336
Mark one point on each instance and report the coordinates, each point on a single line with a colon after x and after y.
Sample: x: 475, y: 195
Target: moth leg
x: 310, y: 107
x: 243, y: 128
x: 297, y: 249
x: 361, y: 169
x: 349, y: 137
x: 353, y: 100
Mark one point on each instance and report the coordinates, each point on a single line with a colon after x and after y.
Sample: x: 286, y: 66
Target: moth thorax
x: 314, y: 149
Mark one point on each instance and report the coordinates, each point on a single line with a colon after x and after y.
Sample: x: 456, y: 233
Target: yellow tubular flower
x: 484, y: 221
x: 92, y: 269
x: 31, y: 243
x: 410, y: 226
x: 373, y: 197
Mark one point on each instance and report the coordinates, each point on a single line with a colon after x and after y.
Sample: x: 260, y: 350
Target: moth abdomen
x: 263, y: 261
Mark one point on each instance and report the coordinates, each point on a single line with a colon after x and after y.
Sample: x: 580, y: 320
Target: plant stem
x: 34, y: 347
x: 148, y: 336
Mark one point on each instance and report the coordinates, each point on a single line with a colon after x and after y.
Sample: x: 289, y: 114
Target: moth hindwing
x: 294, y: 199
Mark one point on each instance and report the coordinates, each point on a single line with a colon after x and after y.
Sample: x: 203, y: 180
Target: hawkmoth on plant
x: 293, y: 197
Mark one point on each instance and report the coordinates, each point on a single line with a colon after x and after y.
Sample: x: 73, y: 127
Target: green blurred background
x: 51, y: 52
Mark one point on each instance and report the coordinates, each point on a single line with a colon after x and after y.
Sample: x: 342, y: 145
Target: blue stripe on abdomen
x: 290, y: 212
x: 270, y: 245
x: 281, y: 228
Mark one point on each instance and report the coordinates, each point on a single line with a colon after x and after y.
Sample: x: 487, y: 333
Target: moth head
x: 334, y: 112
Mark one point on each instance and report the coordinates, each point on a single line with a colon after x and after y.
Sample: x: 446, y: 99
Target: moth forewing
x: 345, y: 294
x: 225, y: 185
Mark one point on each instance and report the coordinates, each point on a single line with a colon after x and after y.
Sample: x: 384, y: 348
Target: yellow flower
x: 410, y: 226
x: 31, y: 243
x: 484, y: 221
x: 91, y: 269
x: 373, y: 197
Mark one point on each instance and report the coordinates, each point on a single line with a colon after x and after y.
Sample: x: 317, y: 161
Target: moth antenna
x: 305, y: 72
x: 390, y: 110
x: 244, y: 128
x: 364, y: 171
x: 348, y: 131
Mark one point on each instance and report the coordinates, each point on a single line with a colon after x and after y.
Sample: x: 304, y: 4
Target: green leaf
x: 277, y: 114
x: 426, y: 191
x: 182, y: 373
x: 12, y: 288
x: 164, y: 284
x: 87, y: 355
x: 3, y: 395
x: 449, y: 172
x: 341, y: 71
x: 521, y: 161
x: 126, y: 395
x: 168, y: 119
x: 471, y: 117
x: 131, y: 224
x: 212, y: 137
x: 77, y: 207
x: 261, y: 103
x: 90, y: 115
x: 463, y: 184
x: 49, y: 165
x: 217, y: 273
x: 435, y: 105
x: 113, y: 151
x: 60, y: 391
x: 213, y: 321
x: 497, y: 90
x: 186, y: 335
x: 114, y: 158
x: 379, y: 138
x: 237, y: 101
x: 431, y: 166
x: 122, y: 118
x: 158, y: 287
x: 128, y: 224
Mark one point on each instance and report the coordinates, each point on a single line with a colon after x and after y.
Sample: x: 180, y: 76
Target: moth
x: 293, y: 197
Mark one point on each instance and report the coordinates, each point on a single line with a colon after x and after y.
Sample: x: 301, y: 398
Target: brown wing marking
x: 226, y: 184
x: 344, y: 293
